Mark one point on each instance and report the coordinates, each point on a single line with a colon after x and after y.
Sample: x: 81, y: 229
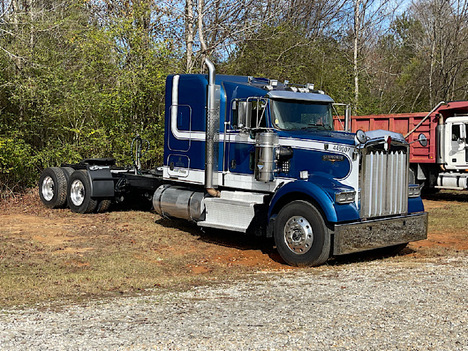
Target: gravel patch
x: 378, y: 305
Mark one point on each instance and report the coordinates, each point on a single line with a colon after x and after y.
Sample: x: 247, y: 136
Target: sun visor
x: 291, y: 95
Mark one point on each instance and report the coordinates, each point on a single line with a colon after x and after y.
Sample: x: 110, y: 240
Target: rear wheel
x: 53, y: 188
x: 103, y: 206
x: 67, y: 171
x: 301, y: 236
x: 79, y: 193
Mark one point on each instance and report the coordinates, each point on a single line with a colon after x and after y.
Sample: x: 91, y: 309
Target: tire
x: 67, y: 171
x: 53, y: 188
x: 79, y: 193
x: 103, y: 206
x: 301, y: 236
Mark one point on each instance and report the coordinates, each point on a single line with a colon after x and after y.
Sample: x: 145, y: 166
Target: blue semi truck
x: 258, y: 156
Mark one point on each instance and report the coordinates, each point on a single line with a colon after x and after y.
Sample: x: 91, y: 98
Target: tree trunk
x: 31, y: 25
x: 357, y: 30
x: 431, y: 72
x: 189, y: 35
x: 201, y: 36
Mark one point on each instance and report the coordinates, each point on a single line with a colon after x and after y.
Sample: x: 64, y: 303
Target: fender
x: 101, y: 180
x: 415, y: 204
x: 322, y: 194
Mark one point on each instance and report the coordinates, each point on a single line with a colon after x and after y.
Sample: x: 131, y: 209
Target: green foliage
x: 16, y: 163
x: 80, y: 79
x: 77, y: 88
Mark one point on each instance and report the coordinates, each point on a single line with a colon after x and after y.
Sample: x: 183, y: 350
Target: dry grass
x: 49, y: 255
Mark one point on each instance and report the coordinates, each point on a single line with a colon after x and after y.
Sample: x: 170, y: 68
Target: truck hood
x: 380, y: 135
x: 319, y: 135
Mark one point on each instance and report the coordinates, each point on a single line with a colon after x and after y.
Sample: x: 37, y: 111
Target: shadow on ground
x: 370, y: 255
x: 226, y: 238
x: 453, y: 196
x: 244, y: 242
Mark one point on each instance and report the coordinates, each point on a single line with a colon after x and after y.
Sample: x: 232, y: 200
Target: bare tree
x: 445, y: 38
x: 369, y: 20
x: 189, y: 34
x: 222, y: 25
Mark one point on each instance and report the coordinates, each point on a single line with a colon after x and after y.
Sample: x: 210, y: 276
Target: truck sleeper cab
x: 255, y: 155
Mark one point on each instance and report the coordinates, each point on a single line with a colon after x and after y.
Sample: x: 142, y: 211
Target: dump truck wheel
x: 301, y: 236
x: 53, y: 188
x: 79, y: 193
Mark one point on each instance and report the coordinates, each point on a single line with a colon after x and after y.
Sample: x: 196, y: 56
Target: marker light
x: 345, y: 197
x: 414, y: 190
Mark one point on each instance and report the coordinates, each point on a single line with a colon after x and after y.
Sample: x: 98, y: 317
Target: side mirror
x: 422, y: 140
x: 244, y: 114
x: 463, y: 131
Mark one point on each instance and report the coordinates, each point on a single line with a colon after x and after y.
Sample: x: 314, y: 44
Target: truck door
x: 457, y: 153
x: 247, y: 114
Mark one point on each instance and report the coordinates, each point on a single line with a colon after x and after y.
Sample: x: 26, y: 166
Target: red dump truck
x: 438, y: 142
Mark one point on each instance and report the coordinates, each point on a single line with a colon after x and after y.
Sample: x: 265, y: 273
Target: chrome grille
x: 384, y: 184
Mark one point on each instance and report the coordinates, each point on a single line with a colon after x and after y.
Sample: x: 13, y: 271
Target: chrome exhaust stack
x: 212, y: 132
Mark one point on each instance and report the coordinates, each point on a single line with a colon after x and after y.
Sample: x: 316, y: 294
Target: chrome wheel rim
x: 47, y: 188
x: 298, y: 235
x: 77, y: 192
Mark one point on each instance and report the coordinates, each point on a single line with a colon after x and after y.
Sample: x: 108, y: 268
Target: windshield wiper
x: 315, y: 126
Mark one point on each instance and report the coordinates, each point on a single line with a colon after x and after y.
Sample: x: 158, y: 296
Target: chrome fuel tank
x: 178, y: 202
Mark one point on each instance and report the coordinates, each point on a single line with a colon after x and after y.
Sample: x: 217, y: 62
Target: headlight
x: 345, y: 197
x: 414, y: 190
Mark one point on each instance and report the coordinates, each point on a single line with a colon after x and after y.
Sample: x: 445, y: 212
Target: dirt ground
x: 448, y: 222
x: 57, y: 252
x: 25, y: 217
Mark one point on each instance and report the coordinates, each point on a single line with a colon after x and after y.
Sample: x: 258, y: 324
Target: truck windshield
x: 297, y: 115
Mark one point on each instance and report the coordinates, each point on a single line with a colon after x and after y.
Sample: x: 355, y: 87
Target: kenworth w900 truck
x: 255, y: 155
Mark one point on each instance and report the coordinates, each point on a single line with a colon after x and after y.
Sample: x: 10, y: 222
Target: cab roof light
x: 307, y: 88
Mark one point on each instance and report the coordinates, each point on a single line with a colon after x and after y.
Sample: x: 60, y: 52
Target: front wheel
x: 301, y: 236
x: 79, y: 193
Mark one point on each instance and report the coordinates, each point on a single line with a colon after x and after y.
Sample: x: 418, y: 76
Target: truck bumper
x: 369, y: 235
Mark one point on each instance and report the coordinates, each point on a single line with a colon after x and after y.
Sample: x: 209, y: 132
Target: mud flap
x: 102, y: 182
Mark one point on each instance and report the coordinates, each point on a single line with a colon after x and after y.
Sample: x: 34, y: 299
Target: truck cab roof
x: 243, y: 86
